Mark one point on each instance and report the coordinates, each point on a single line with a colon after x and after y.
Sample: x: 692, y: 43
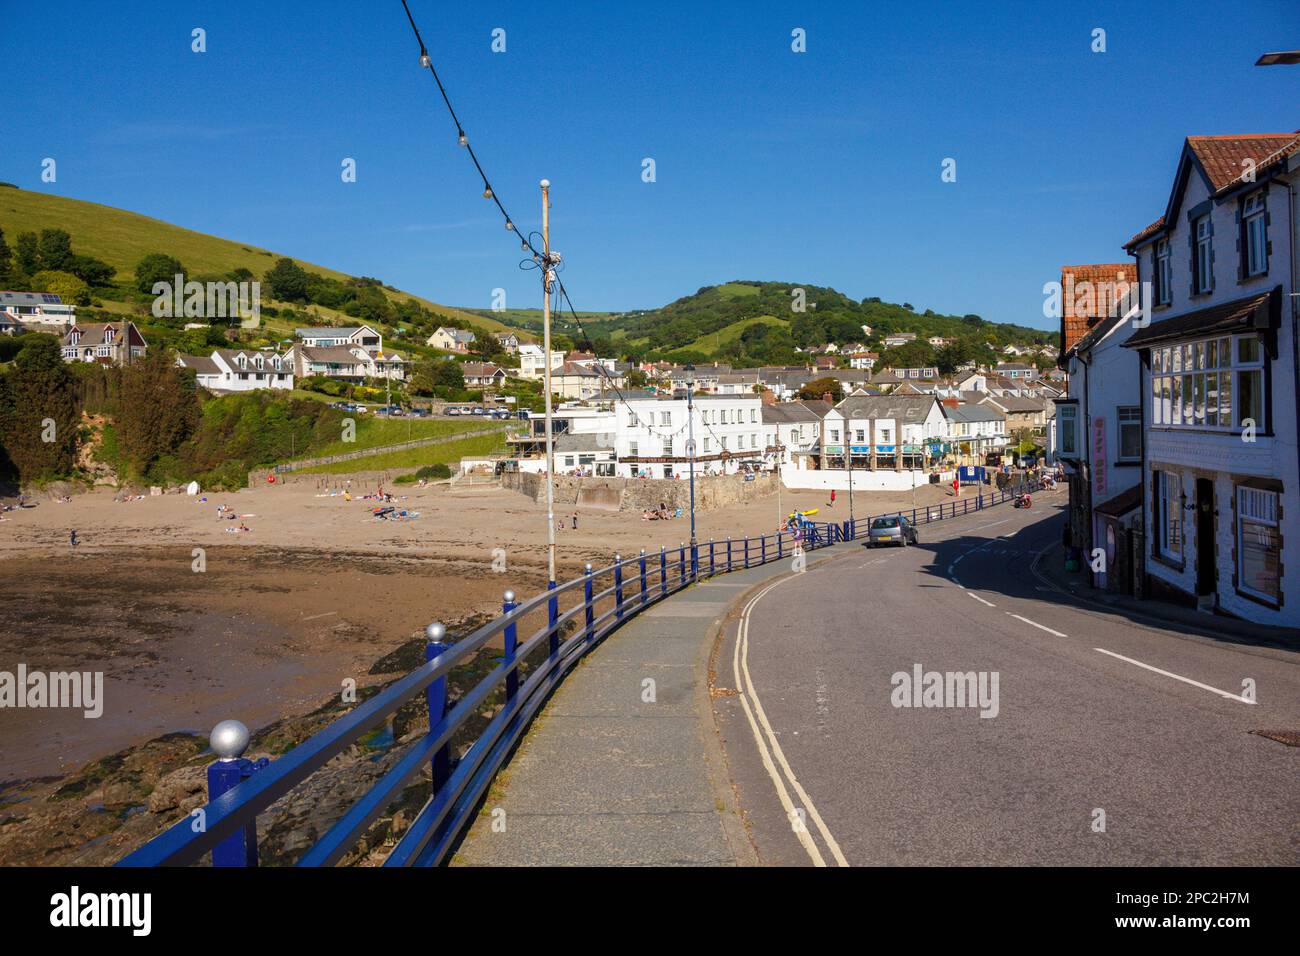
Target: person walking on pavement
x: 832, y: 497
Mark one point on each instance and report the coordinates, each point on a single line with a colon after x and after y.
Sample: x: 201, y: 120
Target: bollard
x: 436, y: 695
x: 644, y: 594
x: 553, y: 612
x: 618, y: 586
x: 512, y: 645
x: 586, y: 599
x: 663, y: 571
x: 229, y: 740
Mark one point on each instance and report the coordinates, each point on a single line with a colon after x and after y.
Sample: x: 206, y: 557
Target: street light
x: 690, y: 454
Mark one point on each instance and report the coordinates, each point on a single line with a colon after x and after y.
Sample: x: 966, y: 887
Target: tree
x: 63, y: 284
x: 437, y: 377
x: 39, y: 411
x: 90, y: 270
x: 28, y: 255
x: 55, y: 249
x: 6, y: 259
x: 819, y: 387
x: 156, y: 411
x: 156, y: 267
x: 288, y: 281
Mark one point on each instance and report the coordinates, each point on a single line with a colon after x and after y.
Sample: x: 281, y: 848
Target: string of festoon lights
x: 537, y: 258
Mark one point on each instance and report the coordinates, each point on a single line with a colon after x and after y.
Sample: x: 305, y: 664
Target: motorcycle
x: 1023, y: 501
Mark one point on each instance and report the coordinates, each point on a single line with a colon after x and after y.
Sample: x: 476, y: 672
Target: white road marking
x: 315, y: 616
x: 756, y: 715
x: 980, y: 599
x: 1185, y: 680
x: 1037, y: 625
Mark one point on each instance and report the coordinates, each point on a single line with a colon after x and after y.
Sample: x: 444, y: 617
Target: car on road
x: 891, y: 529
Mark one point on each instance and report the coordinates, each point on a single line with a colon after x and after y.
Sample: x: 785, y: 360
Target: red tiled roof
x: 1083, y: 306
x: 1225, y: 158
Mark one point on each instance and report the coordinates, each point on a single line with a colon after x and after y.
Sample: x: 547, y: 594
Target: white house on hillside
x: 239, y: 370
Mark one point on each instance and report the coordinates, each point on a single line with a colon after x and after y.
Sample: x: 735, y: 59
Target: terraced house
x: 1221, y: 473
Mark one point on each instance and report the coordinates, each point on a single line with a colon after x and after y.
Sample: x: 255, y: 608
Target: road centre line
x: 978, y: 598
x: 1037, y: 625
x: 1185, y: 680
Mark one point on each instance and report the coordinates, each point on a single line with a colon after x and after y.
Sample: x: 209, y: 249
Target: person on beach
x: 575, y: 521
x: 72, y: 538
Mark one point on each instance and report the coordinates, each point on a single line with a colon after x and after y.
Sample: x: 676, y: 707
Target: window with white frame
x: 632, y: 449
x: 1258, y: 545
x: 1169, y: 515
x: 1212, y: 383
x: 1067, y: 430
x: 1163, y: 273
x: 1255, y: 228
x: 1204, y: 259
x: 665, y: 418
x: 1128, y: 422
x: 668, y: 447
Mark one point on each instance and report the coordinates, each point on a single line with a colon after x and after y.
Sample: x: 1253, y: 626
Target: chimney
x: 826, y: 396
x: 767, y: 396
x: 950, y: 402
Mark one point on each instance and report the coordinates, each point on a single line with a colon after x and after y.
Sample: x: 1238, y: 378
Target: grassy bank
x: 449, y: 453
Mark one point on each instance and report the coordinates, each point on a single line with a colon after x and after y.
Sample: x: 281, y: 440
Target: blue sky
x: 821, y: 167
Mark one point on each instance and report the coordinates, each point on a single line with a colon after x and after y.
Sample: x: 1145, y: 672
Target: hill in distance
x: 746, y: 321
x: 121, y: 238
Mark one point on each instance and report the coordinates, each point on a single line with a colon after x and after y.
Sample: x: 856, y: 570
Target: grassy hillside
x: 121, y: 238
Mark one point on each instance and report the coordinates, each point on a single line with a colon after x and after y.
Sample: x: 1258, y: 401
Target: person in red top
x: 832, y: 497
x: 956, y: 488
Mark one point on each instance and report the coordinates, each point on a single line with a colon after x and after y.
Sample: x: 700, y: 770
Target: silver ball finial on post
x: 435, y: 632
x: 587, y: 567
x: 229, y: 739
x: 509, y: 596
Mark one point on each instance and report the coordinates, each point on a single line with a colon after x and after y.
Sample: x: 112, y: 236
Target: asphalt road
x: 1096, y: 713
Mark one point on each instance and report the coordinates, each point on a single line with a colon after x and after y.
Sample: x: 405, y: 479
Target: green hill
x: 121, y: 238
x: 753, y: 322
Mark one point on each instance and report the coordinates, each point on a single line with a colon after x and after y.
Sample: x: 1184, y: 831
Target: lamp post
x: 690, y: 454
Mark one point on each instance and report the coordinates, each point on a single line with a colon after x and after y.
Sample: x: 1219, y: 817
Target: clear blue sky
x: 821, y: 167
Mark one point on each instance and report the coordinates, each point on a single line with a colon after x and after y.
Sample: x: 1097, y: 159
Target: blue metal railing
x: 239, y: 789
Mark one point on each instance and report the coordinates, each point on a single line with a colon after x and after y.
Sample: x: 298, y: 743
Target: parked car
x: 451, y: 410
x: 891, y: 529
x: 477, y: 410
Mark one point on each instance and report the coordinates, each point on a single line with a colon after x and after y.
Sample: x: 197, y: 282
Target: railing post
x: 512, y: 646
x: 746, y: 552
x: 780, y: 545
x: 663, y: 570
x: 618, y: 586
x: 728, y: 552
x: 712, y: 564
x: 695, y: 560
x: 681, y: 563
x: 229, y: 740
x: 552, y: 614
x: 436, y: 695
x: 644, y: 595
x: 586, y: 597
x: 762, y: 553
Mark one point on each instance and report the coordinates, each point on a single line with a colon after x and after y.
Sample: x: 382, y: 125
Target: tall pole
x: 848, y: 447
x: 546, y: 374
x: 690, y: 448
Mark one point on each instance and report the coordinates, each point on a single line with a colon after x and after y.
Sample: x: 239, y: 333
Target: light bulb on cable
x: 487, y: 192
x: 425, y: 61
x: 510, y: 226
x: 462, y: 138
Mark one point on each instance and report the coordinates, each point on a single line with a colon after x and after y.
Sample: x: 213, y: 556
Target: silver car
x: 893, y: 529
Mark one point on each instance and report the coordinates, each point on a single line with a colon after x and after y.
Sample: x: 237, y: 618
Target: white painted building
x: 240, y: 370
x: 1221, y: 474
x: 351, y: 336
x: 38, y: 308
x: 651, y: 435
x: 532, y: 361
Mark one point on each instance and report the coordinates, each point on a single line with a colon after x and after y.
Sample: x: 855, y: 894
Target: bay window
x: 1067, y: 430
x: 1193, y: 384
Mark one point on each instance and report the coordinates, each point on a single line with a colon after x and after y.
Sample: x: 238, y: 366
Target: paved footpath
x: 604, y: 778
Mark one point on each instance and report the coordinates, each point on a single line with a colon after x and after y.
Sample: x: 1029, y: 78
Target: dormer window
x: 243, y: 362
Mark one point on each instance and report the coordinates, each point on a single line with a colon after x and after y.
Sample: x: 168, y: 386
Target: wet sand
x: 314, y: 593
